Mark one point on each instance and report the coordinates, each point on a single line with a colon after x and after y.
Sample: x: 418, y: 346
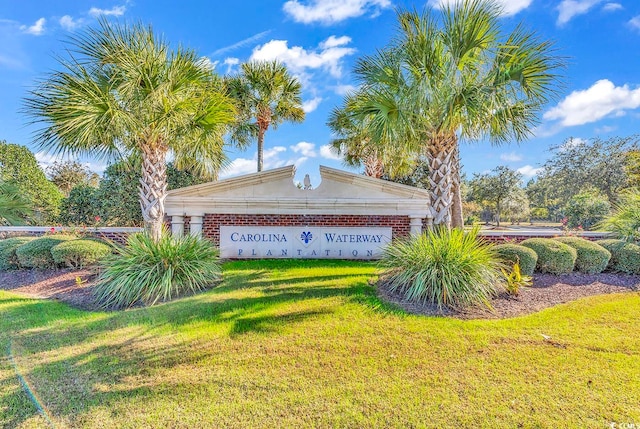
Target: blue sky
x: 319, y: 40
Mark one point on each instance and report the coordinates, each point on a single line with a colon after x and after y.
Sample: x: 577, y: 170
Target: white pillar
x: 415, y: 224
x: 195, y: 225
x: 177, y: 225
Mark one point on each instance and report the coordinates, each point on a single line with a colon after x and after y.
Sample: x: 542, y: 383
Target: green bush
x: 447, y: 267
x: 8, y: 258
x: 148, y: 272
x: 592, y: 258
x: 625, y: 257
x: 512, y: 253
x: 625, y: 220
x: 80, y: 253
x: 586, y: 209
x: 37, y: 253
x: 553, y: 256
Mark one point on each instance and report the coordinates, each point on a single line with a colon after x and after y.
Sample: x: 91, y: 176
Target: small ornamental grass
x: 80, y: 253
x: 37, y: 253
x: 8, y: 257
x: 515, y: 254
x: 447, y: 267
x: 554, y: 257
x: 148, y: 272
x: 592, y: 258
x: 625, y: 257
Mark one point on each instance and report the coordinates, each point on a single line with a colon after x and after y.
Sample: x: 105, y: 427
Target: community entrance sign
x: 264, y: 215
x: 303, y: 242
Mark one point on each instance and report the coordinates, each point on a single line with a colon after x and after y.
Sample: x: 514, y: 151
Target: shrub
x: 592, y: 258
x: 625, y: 220
x: 625, y: 257
x: 147, y: 271
x: 586, y: 209
x: 80, y: 253
x: 515, y: 253
x: 8, y: 258
x: 37, y: 253
x: 447, y: 267
x: 553, y: 256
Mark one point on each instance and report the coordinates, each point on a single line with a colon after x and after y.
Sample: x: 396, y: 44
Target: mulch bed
x: 547, y: 290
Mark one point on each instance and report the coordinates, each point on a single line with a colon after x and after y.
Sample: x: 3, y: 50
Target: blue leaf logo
x: 306, y: 237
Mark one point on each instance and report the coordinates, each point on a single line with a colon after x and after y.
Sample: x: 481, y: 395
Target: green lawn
x: 307, y: 344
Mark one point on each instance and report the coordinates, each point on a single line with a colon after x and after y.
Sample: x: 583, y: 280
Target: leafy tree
x: 633, y: 167
x: 451, y: 77
x: 267, y: 95
x: 18, y: 167
x: 577, y: 165
x: 586, y: 209
x: 82, y: 206
x: 14, y: 208
x: 69, y: 174
x: 124, y: 90
x: 418, y: 177
x: 501, y: 192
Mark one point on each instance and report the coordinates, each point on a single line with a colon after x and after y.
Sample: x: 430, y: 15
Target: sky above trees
x: 319, y: 41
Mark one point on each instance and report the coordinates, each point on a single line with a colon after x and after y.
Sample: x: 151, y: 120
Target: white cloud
x: 271, y: 159
x: 327, y: 56
x: 68, y: 23
x: 45, y: 160
x: 114, y: 11
x: 610, y: 7
x: 327, y: 153
x: 231, y: 62
x: 311, y: 105
x: 206, y: 61
x: 567, y: 9
x: 241, y: 43
x: 605, y: 129
x: 529, y: 171
x: 571, y: 143
x: 36, y: 29
x: 510, y: 157
x: 305, y: 148
x: 344, y: 89
x: 635, y: 22
x: 509, y: 7
x: 332, y: 11
x: 603, y: 98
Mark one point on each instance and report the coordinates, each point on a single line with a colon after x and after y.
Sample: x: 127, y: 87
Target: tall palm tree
x: 455, y: 77
x: 267, y: 95
x: 14, y: 207
x: 125, y: 92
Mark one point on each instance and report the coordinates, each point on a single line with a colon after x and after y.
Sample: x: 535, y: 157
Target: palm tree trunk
x: 373, y: 166
x: 260, y: 148
x: 457, y: 218
x: 441, y: 154
x: 153, y: 188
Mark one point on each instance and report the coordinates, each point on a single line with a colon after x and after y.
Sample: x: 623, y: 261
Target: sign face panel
x: 257, y: 242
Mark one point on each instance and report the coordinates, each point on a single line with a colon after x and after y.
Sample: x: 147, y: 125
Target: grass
x: 307, y: 343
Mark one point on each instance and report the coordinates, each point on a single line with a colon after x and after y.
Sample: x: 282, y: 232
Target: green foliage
x: 517, y: 254
x: 592, y: 258
x: 447, y: 267
x: 625, y: 257
x: 67, y: 175
x: 586, y: 209
x: 80, y: 253
x: 501, y: 193
x: 515, y: 280
x: 81, y: 207
x: 147, y: 271
x: 18, y: 166
x: 14, y: 207
x: 37, y: 253
x: 553, y: 256
x: 8, y: 246
x: 540, y: 213
x: 625, y: 220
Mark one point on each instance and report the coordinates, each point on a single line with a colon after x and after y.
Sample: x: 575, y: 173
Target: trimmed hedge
x: 625, y: 257
x: 592, y: 258
x: 80, y: 253
x: 37, y: 253
x: 553, y: 256
x: 512, y: 253
x: 8, y: 258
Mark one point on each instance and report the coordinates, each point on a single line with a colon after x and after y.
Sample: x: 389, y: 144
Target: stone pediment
x: 273, y: 192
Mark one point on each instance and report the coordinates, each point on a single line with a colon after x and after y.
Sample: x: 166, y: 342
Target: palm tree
x: 267, y: 95
x: 125, y: 92
x: 455, y: 77
x: 14, y: 208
